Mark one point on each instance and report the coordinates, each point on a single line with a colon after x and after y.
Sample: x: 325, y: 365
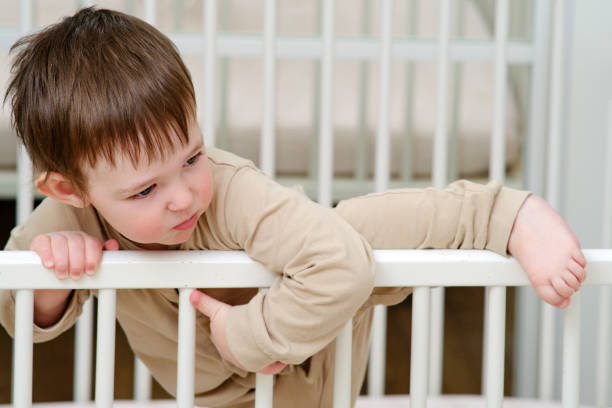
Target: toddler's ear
x: 58, y: 187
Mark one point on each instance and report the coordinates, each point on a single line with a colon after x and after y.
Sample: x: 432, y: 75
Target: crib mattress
x: 391, y: 401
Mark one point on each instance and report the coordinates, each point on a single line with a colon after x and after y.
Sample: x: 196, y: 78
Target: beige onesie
x: 324, y: 261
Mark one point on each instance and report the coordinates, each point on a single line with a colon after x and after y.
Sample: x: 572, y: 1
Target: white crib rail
x: 21, y: 270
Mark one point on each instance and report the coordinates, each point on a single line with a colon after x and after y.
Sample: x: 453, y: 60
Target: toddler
x: 106, y: 109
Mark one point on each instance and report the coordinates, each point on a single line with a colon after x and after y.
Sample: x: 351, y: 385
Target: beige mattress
x: 296, y: 92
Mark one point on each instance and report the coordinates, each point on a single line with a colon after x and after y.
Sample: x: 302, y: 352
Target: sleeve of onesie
x: 464, y: 215
x: 325, y: 268
x: 48, y: 216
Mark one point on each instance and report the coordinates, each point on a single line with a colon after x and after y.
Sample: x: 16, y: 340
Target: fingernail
x: 195, y: 297
x: 49, y: 264
x: 90, y: 272
x: 61, y: 274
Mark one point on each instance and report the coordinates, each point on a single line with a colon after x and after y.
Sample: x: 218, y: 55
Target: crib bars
x: 421, y: 269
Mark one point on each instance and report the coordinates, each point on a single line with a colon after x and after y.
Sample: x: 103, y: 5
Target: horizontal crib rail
x: 241, y: 46
x: 21, y: 270
x: 234, y: 269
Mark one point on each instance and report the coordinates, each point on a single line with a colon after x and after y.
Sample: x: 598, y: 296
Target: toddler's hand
x: 217, y: 313
x: 548, y: 251
x: 71, y: 253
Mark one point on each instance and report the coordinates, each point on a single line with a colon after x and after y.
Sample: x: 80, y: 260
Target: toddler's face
x: 155, y: 204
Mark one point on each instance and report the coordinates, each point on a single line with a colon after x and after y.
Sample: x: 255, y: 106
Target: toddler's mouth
x: 187, y: 224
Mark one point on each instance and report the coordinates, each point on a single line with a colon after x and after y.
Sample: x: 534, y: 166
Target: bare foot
x: 548, y: 251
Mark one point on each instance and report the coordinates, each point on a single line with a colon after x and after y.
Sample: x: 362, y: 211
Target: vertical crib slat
x: 105, y: 353
x: 142, y: 381
x: 536, y: 138
x: 381, y: 173
x: 383, y: 150
x: 498, y: 137
x: 420, y: 347
x: 22, y: 349
x: 264, y: 391
x: 342, y: 367
x: 83, y: 343
x: 526, y: 362
x: 186, y: 351
x: 547, y: 352
x: 267, y: 161
x: 326, y: 144
x: 207, y: 108
x: 498, y: 146
x: 496, y: 325
x: 408, y: 139
x: 570, y: 394
x: 603, y: 347
x: 439, y: 180
x: 378, y: 352
x: 553, y: 182
x: 150, y: 9
x: 142, y: 378
x: 557, y: 94
x: 361, y: 147
x: 605, y: 292
x: 264, y: 384
x: 25, y: 192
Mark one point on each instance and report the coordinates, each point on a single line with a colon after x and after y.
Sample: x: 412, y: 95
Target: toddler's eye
x: 145, y: 192
x: 193, y: 159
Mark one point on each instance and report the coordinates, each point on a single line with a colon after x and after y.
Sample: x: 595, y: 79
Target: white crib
x: 420, y: 269
x: 545, y: 96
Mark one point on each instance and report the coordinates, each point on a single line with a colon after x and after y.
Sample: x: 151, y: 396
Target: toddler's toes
x: 578, y: 256
x: 571, y: 280
x: 563, y: 304
x: 577, y: 270
x: 548, y: 294
x: 561, y: 287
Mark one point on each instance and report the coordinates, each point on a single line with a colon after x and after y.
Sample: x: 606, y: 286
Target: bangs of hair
x: 96, y: 85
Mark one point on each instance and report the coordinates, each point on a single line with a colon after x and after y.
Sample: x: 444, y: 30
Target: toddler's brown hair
x: 97, y: 84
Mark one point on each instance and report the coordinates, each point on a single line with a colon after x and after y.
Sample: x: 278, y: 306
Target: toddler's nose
x: 181, y: 199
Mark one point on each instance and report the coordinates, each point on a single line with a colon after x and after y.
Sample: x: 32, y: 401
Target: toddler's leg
x: 472, y: 216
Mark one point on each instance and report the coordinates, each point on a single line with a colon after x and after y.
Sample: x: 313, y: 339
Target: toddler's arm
x: 68, y: 254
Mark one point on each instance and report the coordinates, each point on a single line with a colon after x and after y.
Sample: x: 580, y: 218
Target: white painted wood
x: 268, y: 134
x: 570, y: 390
x: 105, y: 351
x: 22, y: 349
x: 342, y: 367
x: 326, y: 142
x: 419, y: 353
x: 83, y: 349
x: 496, y: 304
x: 186, y: 351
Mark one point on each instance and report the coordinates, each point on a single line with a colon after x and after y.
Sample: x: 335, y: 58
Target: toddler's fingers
x: 571, y: 280
x: 273, y: 368
x: 561, y: 287
x: 59, y: 247
x: 111, y: 245
x: 76, y: 255
x: 577, y: 270
x: 206, y: 304
x: 93, y: 255
x: 42, y: 246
